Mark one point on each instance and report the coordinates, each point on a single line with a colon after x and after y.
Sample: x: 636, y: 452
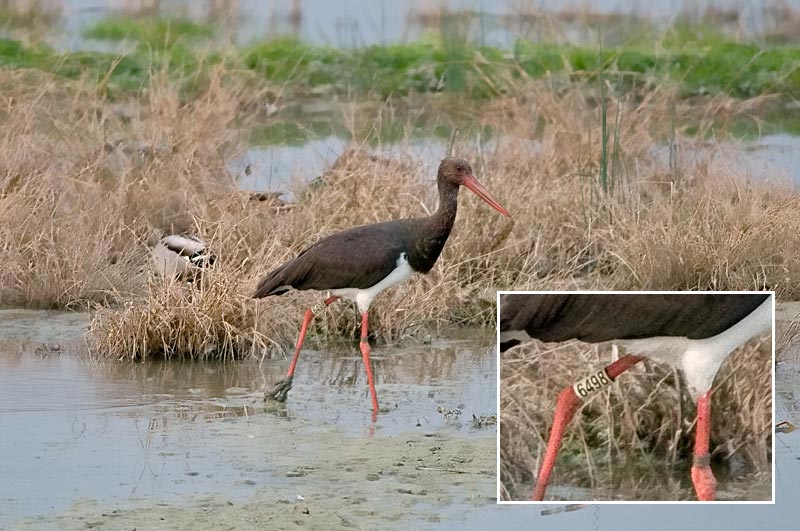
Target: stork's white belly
x: 700, y: 359
x: 363, y: 297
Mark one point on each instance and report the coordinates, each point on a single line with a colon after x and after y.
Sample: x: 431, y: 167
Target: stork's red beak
x: 472, y: 183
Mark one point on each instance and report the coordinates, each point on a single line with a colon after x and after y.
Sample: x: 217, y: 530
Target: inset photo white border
x: 577, y: 503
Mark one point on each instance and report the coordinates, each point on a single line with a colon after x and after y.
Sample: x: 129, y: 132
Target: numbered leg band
x: 591, y: 385
x: 320, y: 307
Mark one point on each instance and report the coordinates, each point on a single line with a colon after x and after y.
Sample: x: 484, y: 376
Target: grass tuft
x: 171, y: 320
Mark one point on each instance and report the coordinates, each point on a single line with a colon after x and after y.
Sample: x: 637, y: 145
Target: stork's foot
x: 279, y: 391
x: 705, y: 485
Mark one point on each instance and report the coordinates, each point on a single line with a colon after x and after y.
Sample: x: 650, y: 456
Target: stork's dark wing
x: 356, y: 258
x: 603, y: 317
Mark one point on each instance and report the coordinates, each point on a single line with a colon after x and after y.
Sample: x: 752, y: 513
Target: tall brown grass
x: 637, y: 437
x: 88, y: 185
x: 787, y: 337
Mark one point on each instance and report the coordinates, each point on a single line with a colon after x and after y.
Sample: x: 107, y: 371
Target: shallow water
x: 771, y: 159
x: 288, y: 168
x: 776, y: 156
x: 110, y: 431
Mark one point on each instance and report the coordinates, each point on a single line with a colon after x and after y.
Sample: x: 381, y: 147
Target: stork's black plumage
x: 594, y: 318
x: 339, y: 261
x: 361, y: 257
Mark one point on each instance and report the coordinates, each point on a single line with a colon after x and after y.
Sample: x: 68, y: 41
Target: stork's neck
x: 431, y: 235
x: 441, y: 222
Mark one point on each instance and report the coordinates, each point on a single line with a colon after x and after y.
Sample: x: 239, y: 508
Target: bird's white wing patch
x: 700, y: 359
x: 510, y: 335
x: 363, y: 297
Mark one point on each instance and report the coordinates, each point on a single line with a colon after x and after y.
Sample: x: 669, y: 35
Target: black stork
x: 692, y: 332
x: 359, y: 263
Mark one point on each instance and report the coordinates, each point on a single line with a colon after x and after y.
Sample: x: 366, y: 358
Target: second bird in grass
x: 182, y: 257
x: 359, y: 263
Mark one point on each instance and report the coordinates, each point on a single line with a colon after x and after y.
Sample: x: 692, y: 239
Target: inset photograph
x: 636, y: 396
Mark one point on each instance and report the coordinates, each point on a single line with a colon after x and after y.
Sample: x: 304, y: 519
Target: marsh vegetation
x: 102, y: 154
x: 89, y: 184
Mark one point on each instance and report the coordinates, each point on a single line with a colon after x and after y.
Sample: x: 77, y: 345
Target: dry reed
x: 88, y: 184
x: 787, y: 337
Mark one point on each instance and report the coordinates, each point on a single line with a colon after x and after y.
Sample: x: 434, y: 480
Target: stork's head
x: 458, y: 172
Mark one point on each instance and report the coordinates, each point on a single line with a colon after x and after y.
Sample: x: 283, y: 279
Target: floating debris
x: 484, y: 421
x: 785, y: 427
x: 564, y: 509
x: 448, y: 414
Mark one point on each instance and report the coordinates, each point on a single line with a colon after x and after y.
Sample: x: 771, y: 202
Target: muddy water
x: 188, y: 446
x: 82, y: 438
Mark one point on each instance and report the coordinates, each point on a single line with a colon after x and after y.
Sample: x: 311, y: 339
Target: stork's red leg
x: 281, y: 389
x: 365, y: 351
x: 568, y: 403
x: 307, y: 318
x: 705, y: 485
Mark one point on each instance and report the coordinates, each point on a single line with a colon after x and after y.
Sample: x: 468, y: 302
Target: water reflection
x: 284, y: 168
x: 771, y: 159
x: 63, y: 378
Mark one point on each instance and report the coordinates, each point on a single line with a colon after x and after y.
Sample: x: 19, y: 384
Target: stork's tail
x: 273, y: 284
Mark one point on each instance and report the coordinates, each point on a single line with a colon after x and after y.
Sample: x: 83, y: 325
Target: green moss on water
x: 14, y: 54
x: 127, y: 72
x: 400, y: 69
x: 709, y: 67
x: 118, y: 73
x: 295, y: 133
x: 697, y: 60
x: 289, y: 60
x: 156, y: 33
